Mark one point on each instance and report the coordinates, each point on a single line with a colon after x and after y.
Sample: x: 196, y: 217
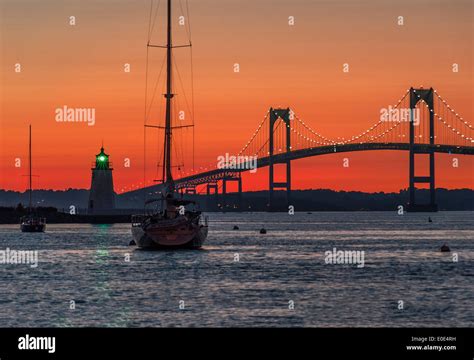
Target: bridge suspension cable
x: 454, y: 132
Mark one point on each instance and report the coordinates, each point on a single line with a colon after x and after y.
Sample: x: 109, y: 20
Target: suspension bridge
x: 421, y: 122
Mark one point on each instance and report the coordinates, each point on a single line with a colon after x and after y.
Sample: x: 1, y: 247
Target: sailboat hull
x: 33, y: 228
x: 177, y: 234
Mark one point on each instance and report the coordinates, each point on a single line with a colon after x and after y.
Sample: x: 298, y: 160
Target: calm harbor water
x: 88, y: 264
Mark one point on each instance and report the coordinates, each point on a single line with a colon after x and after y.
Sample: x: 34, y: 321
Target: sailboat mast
x: 169, y: 95
x: 29, y: 160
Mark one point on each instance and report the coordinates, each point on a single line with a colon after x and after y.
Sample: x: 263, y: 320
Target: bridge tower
x: 283, y: 115
x: 417, y: 95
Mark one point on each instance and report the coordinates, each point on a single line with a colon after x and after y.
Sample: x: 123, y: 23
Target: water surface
x: 88, y: 264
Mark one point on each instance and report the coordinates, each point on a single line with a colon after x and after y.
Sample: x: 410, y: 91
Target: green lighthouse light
x: 102, y: 160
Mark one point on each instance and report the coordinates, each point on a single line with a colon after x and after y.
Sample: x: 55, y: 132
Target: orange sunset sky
x: 298, y: 66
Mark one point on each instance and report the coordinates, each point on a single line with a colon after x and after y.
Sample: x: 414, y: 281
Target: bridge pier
x: 215, y: 188
x: 224, y: 190
x: 425, y: 95
x: 190, y: 190
x: 283, y: 115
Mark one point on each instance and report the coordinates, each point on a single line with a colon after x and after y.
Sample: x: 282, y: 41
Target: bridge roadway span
x: 218, y: 174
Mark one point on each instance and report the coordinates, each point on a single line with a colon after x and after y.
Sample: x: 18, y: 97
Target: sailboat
x: 32, y: 222
x: 178, y: 224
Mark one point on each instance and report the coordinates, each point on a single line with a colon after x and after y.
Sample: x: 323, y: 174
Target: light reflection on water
x: 87, y: 264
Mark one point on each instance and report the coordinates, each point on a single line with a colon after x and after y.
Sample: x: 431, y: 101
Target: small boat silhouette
x: 31, y: 222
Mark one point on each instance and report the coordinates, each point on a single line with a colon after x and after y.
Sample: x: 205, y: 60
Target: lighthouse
x: 101, y: 195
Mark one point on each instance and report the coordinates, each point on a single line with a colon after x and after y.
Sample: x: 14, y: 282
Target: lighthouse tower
x: 101, y: 195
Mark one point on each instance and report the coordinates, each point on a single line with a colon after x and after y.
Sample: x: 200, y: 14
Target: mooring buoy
x: 445, y: 248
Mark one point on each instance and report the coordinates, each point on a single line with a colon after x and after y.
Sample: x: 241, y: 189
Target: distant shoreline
x: 255, y: 201
x: 10, y: 216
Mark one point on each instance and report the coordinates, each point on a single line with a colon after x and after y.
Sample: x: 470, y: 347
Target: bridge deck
x: 218, y: 174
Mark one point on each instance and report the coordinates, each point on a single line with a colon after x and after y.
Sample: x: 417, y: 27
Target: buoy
x: 236, y: 227
x: 263, y: 231
x: 445, y: 248
x: 429, y: 219
x: 132, y: 242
